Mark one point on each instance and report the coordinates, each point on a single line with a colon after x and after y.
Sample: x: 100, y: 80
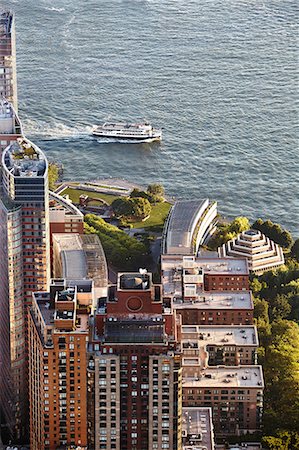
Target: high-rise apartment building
x: 58, y: 341
x: 8, y: 73
x: 25, y: 183
x: 10, y: 126
x: 24, y: 267
x: 134, y: 374
x: 58, y: 335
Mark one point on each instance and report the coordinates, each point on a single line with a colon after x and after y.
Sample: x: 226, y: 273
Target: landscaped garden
x: 74, y: 195
x: 143, y: 209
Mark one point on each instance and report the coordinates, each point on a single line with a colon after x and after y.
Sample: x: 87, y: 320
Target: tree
x: 281, y: 372
x: 53, y: 175
x: 122, y: 207
x: 137, y: 208
x: 121, y: 250
x: 261, y: 309
x: 294, y: 302
x: 277, y: 297
x: 281, y: 308
x: 156, y: 190
x: 275, y: 443
x: 29, y: 151
x: 238, y: 225
x: 141, y: 207
x: 283, y: 440
x: 286, y: 239
x: 257, y: 285
x: 274, y: 232
x: 226, y: 232
x: 295, y: 250
x: 136, y: 193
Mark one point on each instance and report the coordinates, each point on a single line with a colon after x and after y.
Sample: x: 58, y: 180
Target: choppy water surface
x: 219, y: 76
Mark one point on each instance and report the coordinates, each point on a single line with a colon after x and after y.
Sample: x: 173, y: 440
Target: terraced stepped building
x: 261, y: 253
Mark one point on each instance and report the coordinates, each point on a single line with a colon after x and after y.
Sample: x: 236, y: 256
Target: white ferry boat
x: 139, y: 132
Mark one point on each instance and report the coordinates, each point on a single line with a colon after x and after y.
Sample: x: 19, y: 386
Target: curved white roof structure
x: 61, y: 203
x: 188, y: 225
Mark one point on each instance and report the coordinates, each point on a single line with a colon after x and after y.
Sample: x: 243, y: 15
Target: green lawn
x: 74, y: 195
x: 157, y: 217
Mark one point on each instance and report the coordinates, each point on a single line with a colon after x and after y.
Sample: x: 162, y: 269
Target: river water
x: 219, y: 76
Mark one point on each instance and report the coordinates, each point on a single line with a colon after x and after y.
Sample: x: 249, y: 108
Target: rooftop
x: 74, y: 264
x: 9, y: 121
x: 133, y: 331
x: 81, y: 285
x: 67, y: 293
x: 24, y: 159
x: 64, y: 315
x: 183, y: 277
x: 43, y: 302
x: 6, y: 19
x: 183, y: 215
x: 217, y: 266
x: 242, y: 446
x: 134, y: 281
x: 180, y: 226
x: 221, y: 335
x: 197, y: 428
x: 230, y: 377
x: 216, y: 300
x: 82, y: 257
x: 57, y: 202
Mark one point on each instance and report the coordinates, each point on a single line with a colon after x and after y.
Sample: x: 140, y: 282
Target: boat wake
x: 54, y: 130
x: 54, y: 9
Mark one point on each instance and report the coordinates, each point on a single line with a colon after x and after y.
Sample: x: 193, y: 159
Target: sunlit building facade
x: 24, y: 260
x: 8, y: 73
x: 134, y: 372
x: 58, y: 335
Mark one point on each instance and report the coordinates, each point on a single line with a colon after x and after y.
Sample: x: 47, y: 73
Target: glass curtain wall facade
x: 12, y: 326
